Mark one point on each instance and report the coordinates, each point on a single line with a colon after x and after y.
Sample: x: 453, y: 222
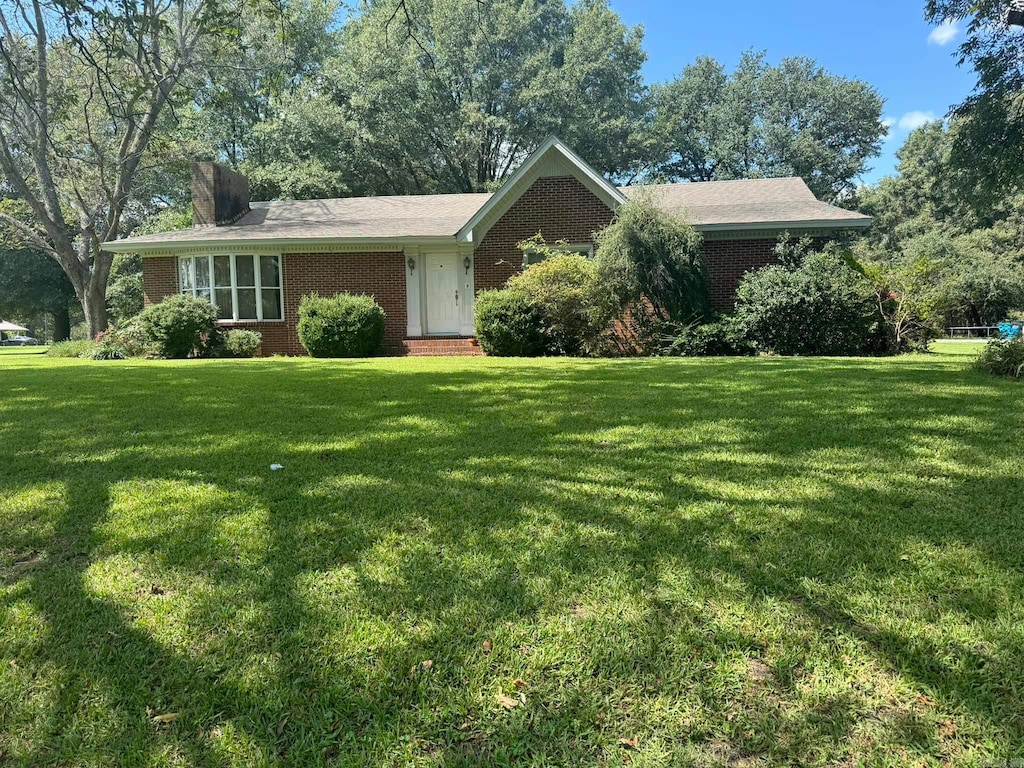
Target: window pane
x: 223, y: 302
x: 270, y: 272
x: 246, y: 303
x: 532, y: 258
x: 203, y: 273
x: 272, y: 304
x: 222, y: 271
x: 244, y: 274
x: 185, y: 273
x: 203, y: 293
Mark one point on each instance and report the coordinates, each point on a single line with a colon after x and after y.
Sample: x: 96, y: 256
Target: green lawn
x: 495, y: 562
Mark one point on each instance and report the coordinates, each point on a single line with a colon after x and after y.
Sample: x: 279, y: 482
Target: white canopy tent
x: 4, y: 326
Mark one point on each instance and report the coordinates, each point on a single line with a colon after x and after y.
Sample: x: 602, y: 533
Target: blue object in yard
x: 1011, y: 330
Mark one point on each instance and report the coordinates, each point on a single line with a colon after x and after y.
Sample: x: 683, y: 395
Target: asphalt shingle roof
x: 744, y: 203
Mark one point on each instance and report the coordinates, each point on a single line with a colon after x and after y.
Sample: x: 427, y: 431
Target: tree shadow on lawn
x: 444, y: 509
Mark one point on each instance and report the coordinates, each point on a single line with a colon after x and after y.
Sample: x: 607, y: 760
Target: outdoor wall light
x: 412, y: 264
x: 467, y: 263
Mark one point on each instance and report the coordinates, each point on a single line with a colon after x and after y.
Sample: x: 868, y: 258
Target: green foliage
x: 125, y: 294
x: 910, y: 294
x: 81, y: 349
x: 992, y: 117
x: 453, y: 97
x: 1003, y: 358
x: 242, y: 342
x: 793, y: 119
x: 345, y: 325
x: 30, y: 283
x: 509, y: 324
x: 724, y: 337
x: 179, y: 326
x: 575, y: 305
x: 821, y: 307
x: 647, y: 255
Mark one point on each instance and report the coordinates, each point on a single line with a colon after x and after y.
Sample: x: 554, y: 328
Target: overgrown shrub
x: 822, y: 306
x: 179, y: 326
x: 1003, y: 358
x: 719, y: 338
x: 242, y: 342
x: 648, y: 255
x: 345, y: 325
x: 114, y: 344
x: 83, y: 348
x: 574, y: 305
x: 509, y: 324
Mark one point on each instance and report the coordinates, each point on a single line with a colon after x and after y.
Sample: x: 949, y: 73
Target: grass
x: 490, y: 562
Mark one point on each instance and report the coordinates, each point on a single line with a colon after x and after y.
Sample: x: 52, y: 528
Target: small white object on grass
x: 275, y: 467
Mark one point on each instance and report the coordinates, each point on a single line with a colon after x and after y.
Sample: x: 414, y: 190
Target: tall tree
x: 452, y: 97
x: 85, y: 88
x: 793, y: 119
x: 989, y: 147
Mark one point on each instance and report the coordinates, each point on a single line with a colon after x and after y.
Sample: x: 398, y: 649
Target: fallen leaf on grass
x: 170, y: 717
x: 280, y: 726
x: 487, y: 646
x: 428, y: 664
x: 507, y: 702
x: 630, y: 743
x: 519, y: 683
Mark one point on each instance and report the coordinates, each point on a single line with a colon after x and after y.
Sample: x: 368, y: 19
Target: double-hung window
x: 241, y: 286
x: 531, y: 256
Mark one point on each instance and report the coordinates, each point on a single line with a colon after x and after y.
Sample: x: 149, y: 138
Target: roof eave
x: 128, y: 246
x: 858, y: 223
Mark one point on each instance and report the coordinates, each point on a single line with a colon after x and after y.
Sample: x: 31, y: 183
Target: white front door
x: 443, y: 294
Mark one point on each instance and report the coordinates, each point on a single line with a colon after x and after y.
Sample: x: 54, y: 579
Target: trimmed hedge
x: 242, y: 342
x: 345, y: 325
x: 509, y: 324
x: 179, y: 326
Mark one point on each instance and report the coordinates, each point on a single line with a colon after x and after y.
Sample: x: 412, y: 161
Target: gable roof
x: 736, y: 206
x: 553, y: 148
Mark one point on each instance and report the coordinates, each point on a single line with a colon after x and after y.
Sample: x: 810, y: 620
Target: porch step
x: 442, y: 346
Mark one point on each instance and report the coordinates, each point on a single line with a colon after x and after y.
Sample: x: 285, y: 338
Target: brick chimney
x: 219, y: 196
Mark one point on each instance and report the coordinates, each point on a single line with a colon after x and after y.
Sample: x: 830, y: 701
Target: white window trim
x: 583, y: 249
x: 257, y: 279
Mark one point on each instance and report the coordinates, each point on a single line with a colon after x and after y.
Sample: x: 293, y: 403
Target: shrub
x: 114, y: 344
x: 241, y: 342
x: 821, y: 307
x: 1003, y: 358
x: 574, y: 305
x: 179, y: 326
x: 720, y: 338
x: 648, y: 255
x: 509, y: 324
x: 345, y: 325
x: 83, y: 348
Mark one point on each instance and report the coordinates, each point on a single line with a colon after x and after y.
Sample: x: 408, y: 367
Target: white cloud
x: 888, y: 123
x: 945, y: 33
x: 913, y: 120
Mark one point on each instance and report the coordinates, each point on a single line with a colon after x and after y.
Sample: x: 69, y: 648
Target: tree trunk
x: 62, y: 324
x: 94, y: 304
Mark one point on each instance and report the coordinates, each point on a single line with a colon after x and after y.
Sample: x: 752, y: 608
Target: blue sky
x: 887, y: 44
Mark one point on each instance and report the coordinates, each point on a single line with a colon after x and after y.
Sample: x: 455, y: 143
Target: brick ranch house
x: 425, y: 257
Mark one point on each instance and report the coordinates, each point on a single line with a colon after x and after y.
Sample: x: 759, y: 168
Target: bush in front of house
x: 242, y: 342
x: 574, y: 306
x: 819, y: 306
x: 719, y: 338
x: 179, y: 326
x: 509, y: 324
x: 345, y: 325
x: 1002, y: 357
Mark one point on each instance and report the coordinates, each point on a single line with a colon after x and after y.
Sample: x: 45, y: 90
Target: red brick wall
x: 560, y: 208
x: 728, y: 261
x: 382, y: 275
x: 159, y: 278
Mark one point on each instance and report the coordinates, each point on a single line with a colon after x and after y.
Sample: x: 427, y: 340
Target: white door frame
x: 416, y: 287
